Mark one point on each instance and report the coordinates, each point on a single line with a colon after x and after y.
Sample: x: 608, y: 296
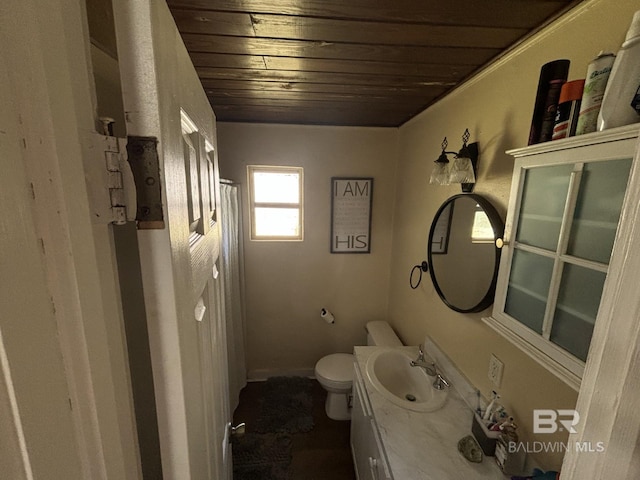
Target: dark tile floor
x: 323, y: 453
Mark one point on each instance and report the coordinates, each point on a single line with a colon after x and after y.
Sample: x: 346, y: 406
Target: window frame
x: 251, y: 169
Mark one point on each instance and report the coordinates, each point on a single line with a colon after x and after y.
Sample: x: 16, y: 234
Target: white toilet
x: 335, y: 371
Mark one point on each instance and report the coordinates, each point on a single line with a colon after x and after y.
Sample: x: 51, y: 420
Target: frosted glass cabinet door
x: 598, y: 207
x: 528, y: 289
x: 598, y: 202
x: 543, y: 199
x: 544, y: 196
x: 576, y: 309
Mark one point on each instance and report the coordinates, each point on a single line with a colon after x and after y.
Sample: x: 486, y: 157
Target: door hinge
x: 110, y: 182
x: 143, y: 158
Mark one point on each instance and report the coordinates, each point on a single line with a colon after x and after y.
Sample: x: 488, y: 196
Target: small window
x: 482, y: 231
x: 275, y: 200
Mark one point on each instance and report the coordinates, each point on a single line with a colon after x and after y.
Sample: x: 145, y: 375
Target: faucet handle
x: 420, y: 353
x: 440, y: 382
x: 431, y: 370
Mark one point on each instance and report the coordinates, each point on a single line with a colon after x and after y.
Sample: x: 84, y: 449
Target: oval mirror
x: 462, y: 253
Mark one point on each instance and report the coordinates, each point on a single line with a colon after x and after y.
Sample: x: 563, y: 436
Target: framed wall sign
x: 351, y: 214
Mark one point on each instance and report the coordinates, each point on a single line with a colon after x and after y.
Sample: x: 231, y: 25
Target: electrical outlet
x: 495, y: 370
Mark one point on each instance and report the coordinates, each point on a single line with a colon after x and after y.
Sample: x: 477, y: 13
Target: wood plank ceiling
x: 346, y: 62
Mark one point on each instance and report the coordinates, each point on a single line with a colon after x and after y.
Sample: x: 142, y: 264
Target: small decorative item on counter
x: 470, y: 449
x: 552, y: 76
x: 618, y: 107
x: 540, y: 475
x: 568, y: 109
x: 594, y: 87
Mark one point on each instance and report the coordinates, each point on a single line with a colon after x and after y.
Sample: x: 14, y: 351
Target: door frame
x: 46, y: 46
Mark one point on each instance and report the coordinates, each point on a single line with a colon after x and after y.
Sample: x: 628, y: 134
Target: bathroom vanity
x: 392, y: 442
x: 369, y: 456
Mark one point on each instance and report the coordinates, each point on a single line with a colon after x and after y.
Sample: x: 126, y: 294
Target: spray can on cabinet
x: 594, y: 87
x: 619, y: 105
x: 568, y: 109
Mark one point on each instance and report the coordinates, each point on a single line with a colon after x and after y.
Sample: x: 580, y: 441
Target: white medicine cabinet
x: 566, y: 200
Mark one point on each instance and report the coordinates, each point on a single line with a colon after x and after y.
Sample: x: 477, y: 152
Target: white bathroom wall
x: 287, y: 283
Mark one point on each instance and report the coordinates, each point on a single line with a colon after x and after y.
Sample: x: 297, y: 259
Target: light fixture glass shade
x: 461, y: 170
x: 440, y: 173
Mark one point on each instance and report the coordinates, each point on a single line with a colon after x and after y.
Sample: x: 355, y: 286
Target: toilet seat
x: 335, y: 370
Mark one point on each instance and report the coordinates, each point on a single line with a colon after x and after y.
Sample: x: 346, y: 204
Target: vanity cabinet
x: 566, y: 201
x: 368, y: 453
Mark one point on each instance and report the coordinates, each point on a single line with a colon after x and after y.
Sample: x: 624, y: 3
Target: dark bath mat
x: 287, y: 406
x: 261, y: 456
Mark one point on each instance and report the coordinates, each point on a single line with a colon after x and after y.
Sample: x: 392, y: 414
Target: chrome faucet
x: 440, y: 382
x: 430, y: 368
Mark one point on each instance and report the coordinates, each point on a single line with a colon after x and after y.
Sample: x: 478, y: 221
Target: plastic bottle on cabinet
x: 595, y: 85
x: 617, y: 105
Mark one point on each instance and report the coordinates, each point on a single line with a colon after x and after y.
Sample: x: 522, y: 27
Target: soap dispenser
x: 619, y: 105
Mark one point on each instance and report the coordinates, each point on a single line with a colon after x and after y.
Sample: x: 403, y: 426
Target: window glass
x: 277, y: 222
x: 275, y: 195
x: 276, y: 187
x: 482, y: 231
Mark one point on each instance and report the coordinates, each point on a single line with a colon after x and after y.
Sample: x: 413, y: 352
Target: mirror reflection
x: 462, y: 254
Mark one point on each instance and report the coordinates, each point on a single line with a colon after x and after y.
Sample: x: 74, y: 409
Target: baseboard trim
x: 262, y: 374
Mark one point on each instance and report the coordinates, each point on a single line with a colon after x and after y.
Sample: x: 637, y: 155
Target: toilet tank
x: 380, y: 333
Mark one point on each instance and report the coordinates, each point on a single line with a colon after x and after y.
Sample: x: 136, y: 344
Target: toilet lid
x: 337, y: 367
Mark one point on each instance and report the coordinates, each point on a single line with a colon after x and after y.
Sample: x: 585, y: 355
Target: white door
x: 27, y: 387
x: 179, y: 239
x: 65, y: 402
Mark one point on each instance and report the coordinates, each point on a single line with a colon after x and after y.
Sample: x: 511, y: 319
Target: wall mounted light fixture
x: 463, y: 167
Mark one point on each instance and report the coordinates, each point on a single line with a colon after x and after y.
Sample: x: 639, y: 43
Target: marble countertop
x: 424, y: 445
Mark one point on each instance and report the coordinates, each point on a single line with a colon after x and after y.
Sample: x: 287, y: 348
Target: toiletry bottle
x: 595, y: 84
x: 550, y: 108
x: 617, y: 109
x: 568, y: 109
x: 552, y: 71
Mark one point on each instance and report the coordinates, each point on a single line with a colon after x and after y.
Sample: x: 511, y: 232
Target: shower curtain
x: 232, y: 270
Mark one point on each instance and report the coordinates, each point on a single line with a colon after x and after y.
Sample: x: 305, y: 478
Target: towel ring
x: 423, y: 267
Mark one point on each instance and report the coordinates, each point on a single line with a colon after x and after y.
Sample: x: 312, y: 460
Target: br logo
x: 550, y: 421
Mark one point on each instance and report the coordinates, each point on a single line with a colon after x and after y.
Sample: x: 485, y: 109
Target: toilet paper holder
x: 327, y: 316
